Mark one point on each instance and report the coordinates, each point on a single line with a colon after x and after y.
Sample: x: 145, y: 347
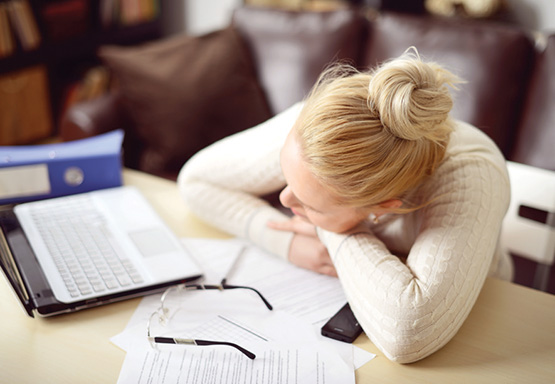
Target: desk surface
x: 509, y: 336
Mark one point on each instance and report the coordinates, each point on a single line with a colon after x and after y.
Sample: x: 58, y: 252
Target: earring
x: 375, y: 218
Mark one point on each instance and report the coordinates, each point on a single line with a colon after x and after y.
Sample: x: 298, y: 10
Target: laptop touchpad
x: 152, y: 242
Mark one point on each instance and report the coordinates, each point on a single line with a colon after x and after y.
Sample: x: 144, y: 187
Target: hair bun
x: 412, y: 98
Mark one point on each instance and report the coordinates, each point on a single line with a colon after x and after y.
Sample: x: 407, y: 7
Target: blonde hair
x: 373, y: 136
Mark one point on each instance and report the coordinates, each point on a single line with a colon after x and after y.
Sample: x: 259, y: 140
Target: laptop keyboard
x: 83, y: 250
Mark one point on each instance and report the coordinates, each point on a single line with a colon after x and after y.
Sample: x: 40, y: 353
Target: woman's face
x: 306, y: 197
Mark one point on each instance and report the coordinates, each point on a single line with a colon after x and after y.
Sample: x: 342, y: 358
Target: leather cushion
x: 291, y: 48
x: 182, y: 93
x: 536, y: 136
x: 494, y: 59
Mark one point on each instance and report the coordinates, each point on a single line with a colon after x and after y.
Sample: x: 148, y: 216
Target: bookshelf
x: 56, y: 41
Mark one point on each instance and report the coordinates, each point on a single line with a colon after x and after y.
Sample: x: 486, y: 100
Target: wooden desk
x: 509, y: 336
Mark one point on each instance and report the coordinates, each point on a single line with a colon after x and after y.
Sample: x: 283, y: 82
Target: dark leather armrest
x: 93, y: 117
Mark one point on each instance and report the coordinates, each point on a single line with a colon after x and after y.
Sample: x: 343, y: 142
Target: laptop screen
x: 9, y: 232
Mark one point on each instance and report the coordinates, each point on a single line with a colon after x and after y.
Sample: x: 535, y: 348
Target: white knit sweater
x: 411, y: 279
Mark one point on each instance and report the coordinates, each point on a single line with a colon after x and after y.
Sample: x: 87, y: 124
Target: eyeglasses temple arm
x: 223, y: 285
x: 176, y: 340
x: 246, y: 352
x: 227, y: 286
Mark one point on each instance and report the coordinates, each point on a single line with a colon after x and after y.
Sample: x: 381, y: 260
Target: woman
x: 387, y: 192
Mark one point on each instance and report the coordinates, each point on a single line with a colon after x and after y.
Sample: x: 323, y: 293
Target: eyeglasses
x: 162, y: 314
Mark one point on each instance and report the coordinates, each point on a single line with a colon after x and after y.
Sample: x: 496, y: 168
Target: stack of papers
x: 287, y: 341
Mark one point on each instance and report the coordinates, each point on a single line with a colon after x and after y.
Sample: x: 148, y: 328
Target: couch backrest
x: 291, y: 48
x: 535, y: 140
x: 494, y: 60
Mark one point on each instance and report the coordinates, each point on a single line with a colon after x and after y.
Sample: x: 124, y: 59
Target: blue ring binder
x: 36, y: 172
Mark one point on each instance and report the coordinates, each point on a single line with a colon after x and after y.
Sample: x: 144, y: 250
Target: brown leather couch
x: 509, y: 93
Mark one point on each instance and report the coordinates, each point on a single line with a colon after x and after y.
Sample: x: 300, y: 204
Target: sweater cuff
x: 271, y: 240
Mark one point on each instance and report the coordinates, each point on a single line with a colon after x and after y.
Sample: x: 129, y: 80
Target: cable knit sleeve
x: 410, y: 310
x: 222, y: 183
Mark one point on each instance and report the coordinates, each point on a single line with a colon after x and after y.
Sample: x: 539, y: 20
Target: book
x: 25, y: 114
x: 107, y: 11
x: 128, y: 12
x: 66, y: 19
x: 94, y: 83
x: 23, y: 21
x: 7, y: 45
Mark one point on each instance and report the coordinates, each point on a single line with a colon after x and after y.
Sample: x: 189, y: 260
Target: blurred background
x: 53, y: 43
x: 200, y: 16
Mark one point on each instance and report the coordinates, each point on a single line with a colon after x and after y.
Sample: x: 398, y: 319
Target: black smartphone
x: 342, y: 326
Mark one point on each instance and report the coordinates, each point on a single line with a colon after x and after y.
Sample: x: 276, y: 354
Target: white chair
x: 529, y: 226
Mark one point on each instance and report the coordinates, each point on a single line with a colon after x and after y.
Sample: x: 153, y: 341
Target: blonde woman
x: 387, y: 192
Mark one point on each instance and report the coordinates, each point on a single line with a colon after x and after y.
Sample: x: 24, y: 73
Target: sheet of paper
x: 215, y: 256
x: 275, y: 327
x: 308, y: 295
x: 192, y: 315
x: 275, y: 364
x: 240, y: 316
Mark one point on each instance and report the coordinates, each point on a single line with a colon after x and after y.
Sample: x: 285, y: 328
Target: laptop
x: 75, y: 252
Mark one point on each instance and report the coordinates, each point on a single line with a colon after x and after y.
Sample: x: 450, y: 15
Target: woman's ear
x: 391, y: 204
x: 387, y: 207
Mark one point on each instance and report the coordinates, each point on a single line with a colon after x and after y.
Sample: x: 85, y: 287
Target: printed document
x: 275, y: 365
x: 286, y: 341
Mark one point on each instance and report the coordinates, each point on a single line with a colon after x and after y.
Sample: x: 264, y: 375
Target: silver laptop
x: 75, y: 252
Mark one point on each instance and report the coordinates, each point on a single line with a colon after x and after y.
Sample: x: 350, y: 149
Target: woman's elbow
x: 406, y: 345
x: 407, y: 354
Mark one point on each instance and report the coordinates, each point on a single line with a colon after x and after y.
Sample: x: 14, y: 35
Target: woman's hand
x: 307, y: 251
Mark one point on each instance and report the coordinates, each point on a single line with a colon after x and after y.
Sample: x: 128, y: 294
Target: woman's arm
x: 411, y: 310
x: 222, y: 184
